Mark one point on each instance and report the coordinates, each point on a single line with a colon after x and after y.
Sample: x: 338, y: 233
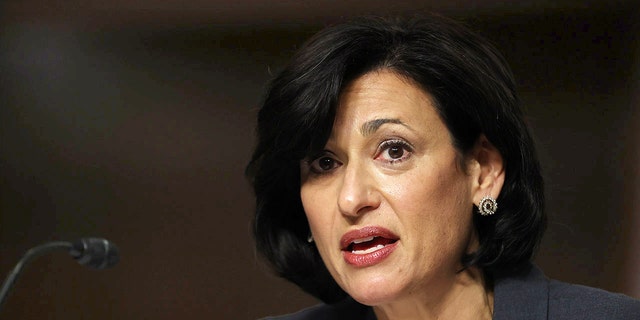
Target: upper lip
x: 365, y: 232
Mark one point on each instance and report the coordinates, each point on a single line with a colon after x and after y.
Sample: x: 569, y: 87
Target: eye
x: 323, y: 164
x: 393, y: 151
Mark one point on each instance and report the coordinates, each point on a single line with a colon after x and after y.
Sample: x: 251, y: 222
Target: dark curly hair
x: 474, y: 93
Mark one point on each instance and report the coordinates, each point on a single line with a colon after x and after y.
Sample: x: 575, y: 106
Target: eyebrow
x: 370, y: 127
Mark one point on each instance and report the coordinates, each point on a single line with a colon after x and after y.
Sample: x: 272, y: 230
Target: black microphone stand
x: 96, y: 253
x: 30, y: 255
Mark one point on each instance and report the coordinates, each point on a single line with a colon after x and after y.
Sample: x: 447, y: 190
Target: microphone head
x: 97, y: 253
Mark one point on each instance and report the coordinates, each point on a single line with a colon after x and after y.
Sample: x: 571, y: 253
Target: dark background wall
x: 134, y: 121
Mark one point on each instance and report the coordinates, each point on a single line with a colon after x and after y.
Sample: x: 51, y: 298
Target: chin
x: 375, y: 298
x: 375, y: 291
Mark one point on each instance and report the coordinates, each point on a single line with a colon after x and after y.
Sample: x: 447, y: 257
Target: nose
x: 358, y: 192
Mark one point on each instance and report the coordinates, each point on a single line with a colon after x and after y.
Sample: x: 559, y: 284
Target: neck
x: 466, y: 297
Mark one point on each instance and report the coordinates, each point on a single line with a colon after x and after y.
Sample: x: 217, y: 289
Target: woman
x: 395, y: 179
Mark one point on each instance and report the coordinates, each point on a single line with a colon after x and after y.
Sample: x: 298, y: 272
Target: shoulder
x: 570, y: 299
x: 528, y: 294
x: 348, y: 309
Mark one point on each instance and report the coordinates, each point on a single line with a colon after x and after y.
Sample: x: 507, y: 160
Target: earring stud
x: 487, y: 206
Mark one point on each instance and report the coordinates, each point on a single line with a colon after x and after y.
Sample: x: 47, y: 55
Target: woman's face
x: 388, y: 202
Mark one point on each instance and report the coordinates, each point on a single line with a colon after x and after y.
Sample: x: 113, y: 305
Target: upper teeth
x: 363, y: 240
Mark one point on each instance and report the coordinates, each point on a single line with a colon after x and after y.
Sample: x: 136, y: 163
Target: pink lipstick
x: 367, y: 246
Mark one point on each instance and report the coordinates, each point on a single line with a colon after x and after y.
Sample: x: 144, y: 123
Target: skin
x: 390, y: 162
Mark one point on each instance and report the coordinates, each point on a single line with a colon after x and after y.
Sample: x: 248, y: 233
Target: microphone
x: 96, y: 253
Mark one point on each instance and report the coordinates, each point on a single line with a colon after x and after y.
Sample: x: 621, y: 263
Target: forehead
x: 384, y: 94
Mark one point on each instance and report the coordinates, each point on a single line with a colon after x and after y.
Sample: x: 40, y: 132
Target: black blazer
x: 526, y: 295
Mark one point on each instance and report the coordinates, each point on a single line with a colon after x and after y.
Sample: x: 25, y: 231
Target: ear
x: 488, y: 170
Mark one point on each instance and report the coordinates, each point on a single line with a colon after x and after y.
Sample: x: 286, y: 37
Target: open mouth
x: 368, y: 245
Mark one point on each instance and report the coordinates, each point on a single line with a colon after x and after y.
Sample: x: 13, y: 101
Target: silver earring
x: 487, y: 206
x: 310, y: 238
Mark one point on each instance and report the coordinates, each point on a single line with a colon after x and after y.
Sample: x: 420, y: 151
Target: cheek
x: 420, y: 191
x: 314, y: 203
x: 308, y: 204
x: 432, y: 198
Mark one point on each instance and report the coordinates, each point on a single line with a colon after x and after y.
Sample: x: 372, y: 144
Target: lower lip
x: 369, y: 259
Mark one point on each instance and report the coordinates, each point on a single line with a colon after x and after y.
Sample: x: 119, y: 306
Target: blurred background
x: 133, y: 120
